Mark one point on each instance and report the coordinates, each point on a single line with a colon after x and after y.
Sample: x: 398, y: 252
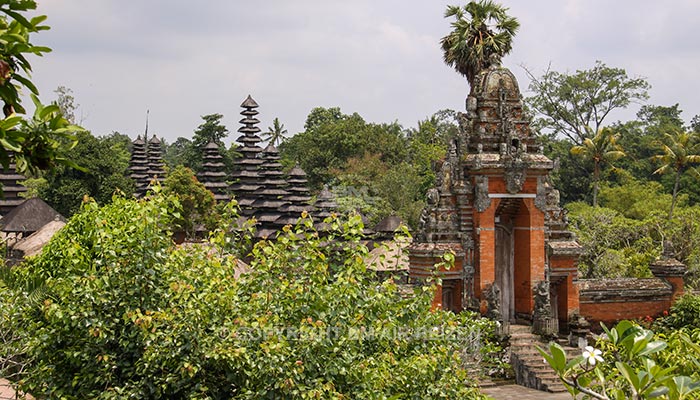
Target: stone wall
x: 612, y: 300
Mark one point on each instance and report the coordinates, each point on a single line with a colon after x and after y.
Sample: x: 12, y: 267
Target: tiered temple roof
x: 146, y: 163
x: 12, y: 187
x: 271, y: 200
x: 299, y: 195
x: 156, y: 166
x: 246, y: 168
x: 325, y: 204
x: 138, y: 166
x: 260, y: 187
x: 213, y: 176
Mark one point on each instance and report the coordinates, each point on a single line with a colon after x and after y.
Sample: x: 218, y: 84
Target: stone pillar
x: 672, y: 271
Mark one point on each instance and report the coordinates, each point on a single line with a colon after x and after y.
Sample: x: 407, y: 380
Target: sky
x: 380, y: 58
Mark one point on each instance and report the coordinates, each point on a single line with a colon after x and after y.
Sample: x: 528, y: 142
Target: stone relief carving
x: 515, y: 175
x: 481, y: 193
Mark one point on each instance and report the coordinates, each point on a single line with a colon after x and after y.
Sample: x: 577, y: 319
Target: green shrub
x: 125, y: 313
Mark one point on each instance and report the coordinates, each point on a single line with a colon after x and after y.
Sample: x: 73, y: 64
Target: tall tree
x: 601, y: 149
x: 331, y: 138
x: 679, y: 151
x: 211, y: 130
x: 481, y: 31
x: 275, y: 133
x: 104, y: 162
x: 576, y: 105
x: 66, y: 103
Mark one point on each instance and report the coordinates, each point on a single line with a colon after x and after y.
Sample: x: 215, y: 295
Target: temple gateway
x: 495, y: 209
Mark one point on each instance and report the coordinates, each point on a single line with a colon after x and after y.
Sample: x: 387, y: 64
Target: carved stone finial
x: 668, y: 249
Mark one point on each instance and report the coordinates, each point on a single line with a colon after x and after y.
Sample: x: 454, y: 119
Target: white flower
x: 592, y: 355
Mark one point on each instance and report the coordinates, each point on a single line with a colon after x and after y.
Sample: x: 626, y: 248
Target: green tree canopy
x: 481, y: 31
x: 331, y: 138
x: 576, y: 105
x: 104, y: 162
x: 197, y: 202
x: 211, y: 130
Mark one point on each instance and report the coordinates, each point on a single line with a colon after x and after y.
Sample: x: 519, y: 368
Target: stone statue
x: 543, y: 306
x: 493, y: 302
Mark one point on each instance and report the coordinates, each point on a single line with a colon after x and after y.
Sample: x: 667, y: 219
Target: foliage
x: 197, y: 202
x: 429, y: 142
x: 679, y: 151
x: 66, y: 103
x: 39, y: 142
x: 211, y: 130
x: 275, y: 133
x: 125, y: 313
x: 628, y: 367
x: 104, y: 162
x: 602, y: 149
x: 481, y: 31
x: 331, y: 138
x: 637, y: 199
x: 576, y: 105
x: 684, y: 313
x: 376, y: 169
x: 189, y: 153
x: 377, y: 190
x: 613, y: 245
x: 571, y: 177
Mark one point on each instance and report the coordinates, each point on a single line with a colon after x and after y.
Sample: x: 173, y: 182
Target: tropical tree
x: 679, y: 150
x: 576, y: 105
x: 481, y: 31
x: 211, y: 130
x: 196, y: 201
x: 104, y: 162
x: 601, y: 149
x: 275, y: 133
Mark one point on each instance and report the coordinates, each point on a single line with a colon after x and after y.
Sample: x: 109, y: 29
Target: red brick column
x: 485, y: 262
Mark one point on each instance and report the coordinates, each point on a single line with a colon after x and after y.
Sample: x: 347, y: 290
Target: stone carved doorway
x: 512, y: 257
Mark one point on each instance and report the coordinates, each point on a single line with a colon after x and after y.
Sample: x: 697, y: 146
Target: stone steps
x: 530, y: 368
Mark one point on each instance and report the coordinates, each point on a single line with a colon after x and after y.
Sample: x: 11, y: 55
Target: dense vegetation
x: 113, y: 309
x: 638, y: 359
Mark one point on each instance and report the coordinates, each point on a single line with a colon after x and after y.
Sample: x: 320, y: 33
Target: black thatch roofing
x: 388, y: 224
x: 29, y: 216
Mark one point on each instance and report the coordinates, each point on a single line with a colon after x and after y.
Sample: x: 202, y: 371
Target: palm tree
x: 601, y: 149
x: 481, y: 30
x: 275, y: 133
x: 679, y: 150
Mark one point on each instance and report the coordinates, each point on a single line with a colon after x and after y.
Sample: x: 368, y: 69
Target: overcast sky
x: 381, y: 58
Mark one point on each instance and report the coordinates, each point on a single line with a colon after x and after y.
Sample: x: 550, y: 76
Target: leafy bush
x: 614, y: 246
x: 125, y: 313
x: 630, y: 362
x: 684, y: 313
